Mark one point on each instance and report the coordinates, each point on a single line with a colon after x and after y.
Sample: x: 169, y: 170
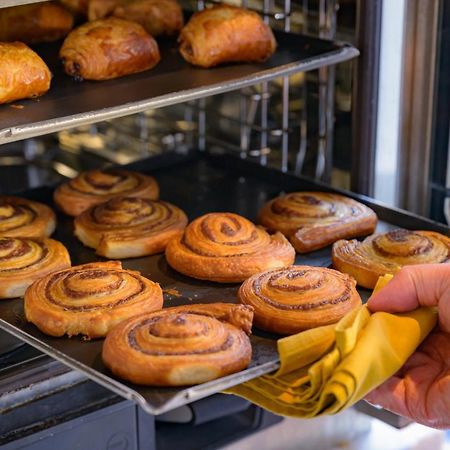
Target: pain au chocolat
x: 127, y: 227
x: 297, y: 298
x: 225, y: 34
x: 313, y: 220
x: 227, y: 248
x: 24, y: 260
x: 387, y: 253
x: 180, y: 346
x: 108, y: 48
x: 89, y: 299
x: 97, y: 186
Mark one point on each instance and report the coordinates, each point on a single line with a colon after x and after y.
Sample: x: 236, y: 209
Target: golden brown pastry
x: 22, y: 261
x: 89, y: 299
x: 78, y: 7
x: 34, y: 23
x: 224, y: 34
x: 99, y: 9
x: 20, y: 217
x: 313, y: 220
x: 97, y: 186
x: 108, y: 48
x: 385, y: 253
x: 158, y: 17
x: 227, y: 248
x: 23, y: 74
x: 180, y: 346
x: 297, y: 298
x: 127, y: 227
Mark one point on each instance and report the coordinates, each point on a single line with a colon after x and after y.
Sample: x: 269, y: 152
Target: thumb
x: 414, y: 286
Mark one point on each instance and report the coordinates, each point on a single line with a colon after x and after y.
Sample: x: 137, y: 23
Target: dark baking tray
x: 70, y: 103
x: 198, y: 184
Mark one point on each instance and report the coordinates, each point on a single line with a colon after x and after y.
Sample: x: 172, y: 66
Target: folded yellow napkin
x: 328, y: 369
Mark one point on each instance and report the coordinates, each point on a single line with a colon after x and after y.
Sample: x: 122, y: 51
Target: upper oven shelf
x: 6, y: 3
x: 70, y: 103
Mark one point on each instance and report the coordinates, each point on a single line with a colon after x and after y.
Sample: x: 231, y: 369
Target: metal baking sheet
x: 6, y: 3
x: 70, y: 103
x: 198, y: 185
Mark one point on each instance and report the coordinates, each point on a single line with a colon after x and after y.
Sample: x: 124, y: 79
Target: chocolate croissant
x: 387, y: 253
x: 224, y: 34
x: 180, y: 346
x: 38, y: 22
x: 23, y: 74
x: 108, y: 48
x: 100, y: 9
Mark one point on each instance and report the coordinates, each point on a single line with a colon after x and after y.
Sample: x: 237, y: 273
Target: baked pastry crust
x: 89, y: 299
x: 98, y: 186
x: 387, y: 253
x: 127, y: 227
x: 297, y: 298
x: 23, y: 260
x: 34, y: 23
x: 99, y: 9
x: 78, y: 7
x: 227, y: 248
x: 313, y: 220
x: 108, y: 48
x: 20, y: 217
x: 225, y: 34
x: 23, y: 74
x: 180, y: 346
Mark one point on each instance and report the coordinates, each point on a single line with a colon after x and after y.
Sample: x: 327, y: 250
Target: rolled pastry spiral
x: 180, y: 346
x: 313, y: 220
x: 22, y: 261
x: 287, y: 301
x: 89, y: 299
x: 20, y: 217
x: 97, y: 186
x: 384, y: 253
x: 127, y: 227
x: 227, y: 248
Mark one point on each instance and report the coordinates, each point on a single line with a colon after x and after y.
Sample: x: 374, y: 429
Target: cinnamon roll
x: 313, y: 220
x: 227, y: 248
x: 290, y: 300
x: 387, y: 253
x: 20, y: 217
x: 224, y: 34
x: 127, y: 227
x: 89, y: 299
x: 180, y: 346
x: 98, y: 186
x: 23, y: 260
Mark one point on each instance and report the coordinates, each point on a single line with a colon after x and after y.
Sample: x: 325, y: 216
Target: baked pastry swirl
x: 385, y: 253
x: 227, y: 248
x: 97, y: 186
x: 225, y: 34
x: 24, y: 260
x: 127, y: 227
x: 20, y: 217
x: 108, y: 48
x: 180, y: 346
x: 290, y: 300
x: 313, y: 220
x: 89, y: 299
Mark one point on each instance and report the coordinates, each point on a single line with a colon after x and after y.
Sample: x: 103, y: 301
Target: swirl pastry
x: 287, y: 301
x: 227, y: 248
x: 180, y: 346
x: 108, y: 48
x: 23, y: 260
x: 127, y: 227
x: 98, y: 186
x: 20, y: 217
x: 387, y: 253
x: 89, y: 299
x: 224, y: 34
x: 313, y: 220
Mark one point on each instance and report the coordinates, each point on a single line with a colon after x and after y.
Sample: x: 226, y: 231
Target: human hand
x: 421, y: 389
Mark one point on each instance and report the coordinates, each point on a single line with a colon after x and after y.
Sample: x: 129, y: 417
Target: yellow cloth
x: 328, y: 369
